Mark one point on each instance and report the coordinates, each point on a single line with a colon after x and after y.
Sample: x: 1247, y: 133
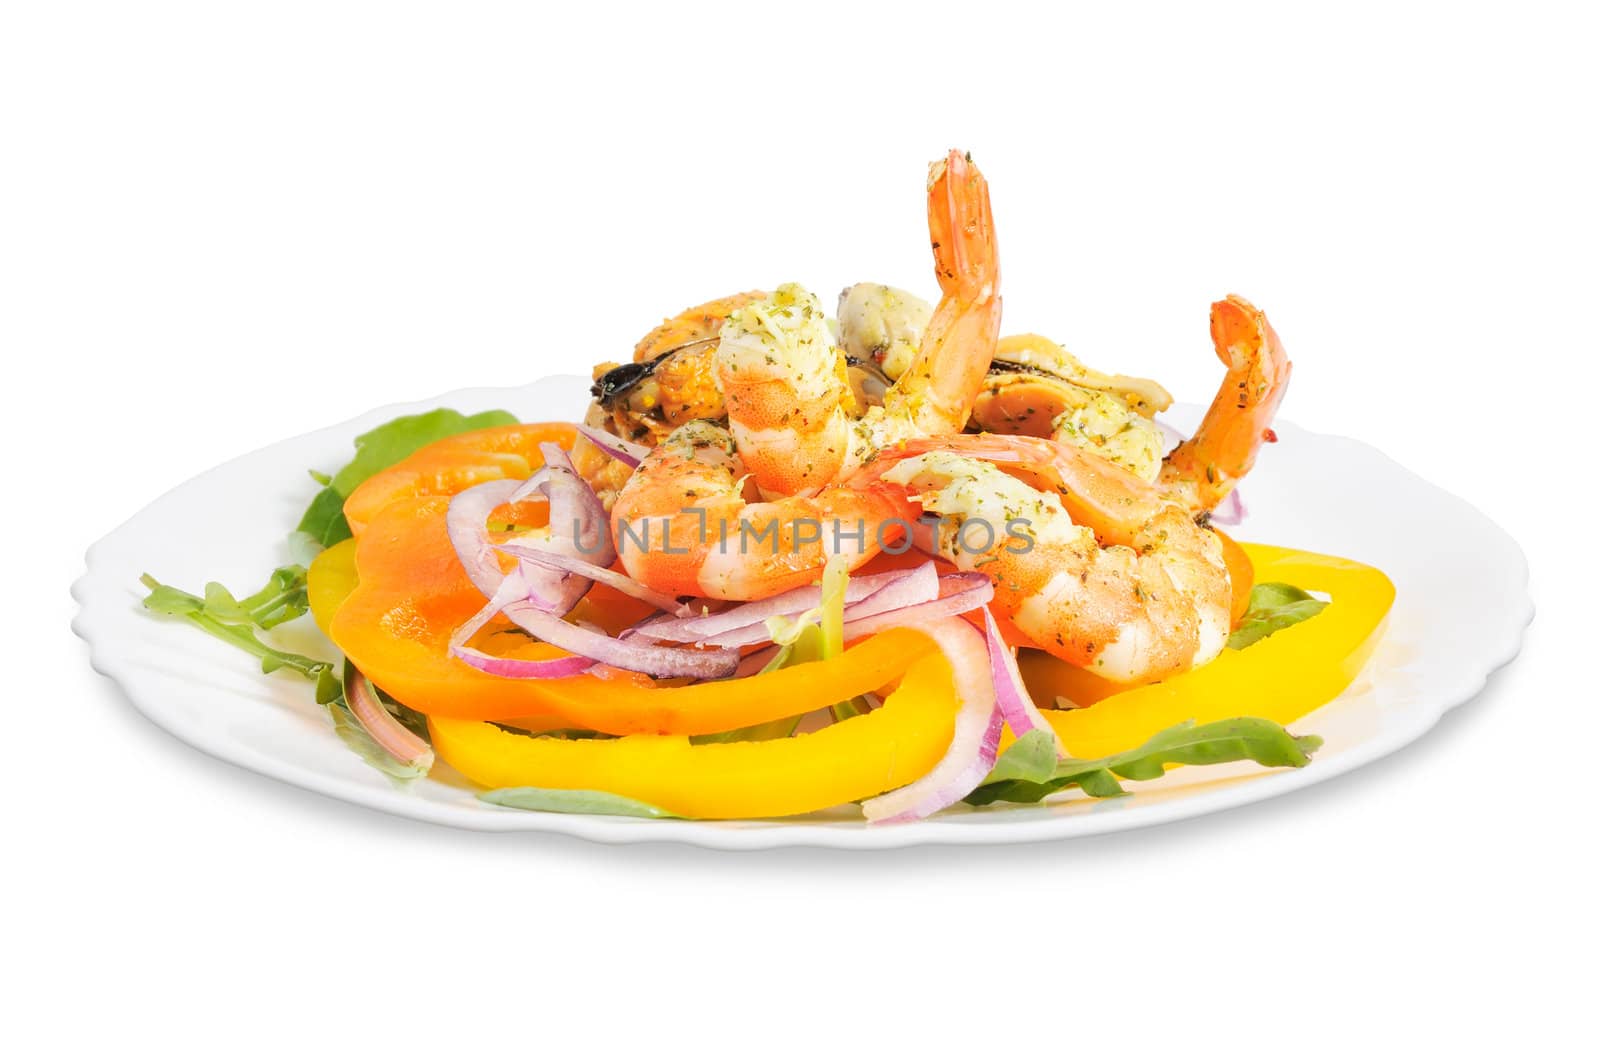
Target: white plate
x: 1461, y: 608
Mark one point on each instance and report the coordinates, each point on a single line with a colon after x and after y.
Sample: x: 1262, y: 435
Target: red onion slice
x: 630, y: 454
x: 467, y: 525
x: 1010, y: 694
x: 975, y: 745
x: 915, y: 588
x: 578, y: 523
x: 590, y: 645
x: 635, y: 655
x: 512, y: 589
x: 516, y: 668
x: 533, y: 484
x: 393, y: 738
x: 615, y: 580
x: 755, y: 614
x: 577, y: 526
x: 959, y: 593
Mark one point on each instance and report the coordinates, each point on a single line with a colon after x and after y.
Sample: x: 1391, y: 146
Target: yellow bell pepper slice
x: 890, y: 747
x: 1283, y: 677
x: 330, y: 580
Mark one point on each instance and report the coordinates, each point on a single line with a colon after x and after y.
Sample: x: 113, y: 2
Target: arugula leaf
x: 234, y: 621
x: 376, y: 450
x: 350, y: 731
x: 281, y: 600
x: 1273, y: 607
x: 1031, y: 758
x: 593, y: 802
x: 1026, y: 772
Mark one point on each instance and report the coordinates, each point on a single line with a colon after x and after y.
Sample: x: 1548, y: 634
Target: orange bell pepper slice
x: 892, y: 746
x: 1241, y: 574
x: 412, y: 594
x: 450, y: 466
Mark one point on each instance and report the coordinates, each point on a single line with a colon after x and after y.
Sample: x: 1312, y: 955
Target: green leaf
x: 327, y: 687
x: 378, y: 449
x: 324, y: 519
x: 1273, y: 607
x: 353, y: 735
x: 170, y: 601
x: 1023, y: 780
x: 592, y: 802
x: 220, y: 605
x: 282, y: 599
x: 1031, y: 758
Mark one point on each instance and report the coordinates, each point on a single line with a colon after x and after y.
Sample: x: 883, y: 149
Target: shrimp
x: 1204, y: 469
x: 787, y: 386
x: 1093, y: 564
x: 684, y: 525
x: 935, y: 393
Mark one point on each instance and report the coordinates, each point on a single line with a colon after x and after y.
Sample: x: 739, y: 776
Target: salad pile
x: 893, y: 688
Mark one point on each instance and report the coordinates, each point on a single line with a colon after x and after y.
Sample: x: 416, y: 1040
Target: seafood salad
x: 877, y: 557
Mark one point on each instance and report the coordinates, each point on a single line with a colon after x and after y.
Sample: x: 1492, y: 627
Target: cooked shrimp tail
x: 1205, y: 468
x: 937, y: 391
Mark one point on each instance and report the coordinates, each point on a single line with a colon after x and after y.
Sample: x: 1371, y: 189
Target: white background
x: 224, y: 224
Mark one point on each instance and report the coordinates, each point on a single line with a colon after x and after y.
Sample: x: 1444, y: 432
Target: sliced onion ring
x: 630, y: 454
x: 512, y: 589
x: 701, y: 627
x: 635, y: 655
x: 532, y: 484
x: 467, y: 524
x: 958, y: 593
x: 578, y: 566
x: 575, y: 508
x: 915, y: 588
x: 907, y: 587
x: 591, y: 647
x: 517, y: 668
x: 975, y: 745
x: 1010, y: 694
